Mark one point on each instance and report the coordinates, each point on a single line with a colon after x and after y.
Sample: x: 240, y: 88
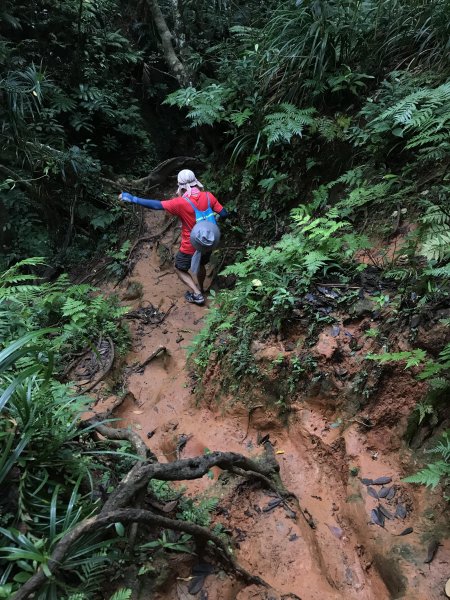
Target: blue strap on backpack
x: 202, y: 215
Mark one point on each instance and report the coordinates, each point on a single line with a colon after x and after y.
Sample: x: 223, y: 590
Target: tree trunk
x: 175, y: 64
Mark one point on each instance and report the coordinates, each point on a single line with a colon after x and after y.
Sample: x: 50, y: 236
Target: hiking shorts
x: 183, y: 260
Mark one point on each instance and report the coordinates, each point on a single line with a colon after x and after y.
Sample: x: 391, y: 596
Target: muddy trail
x: 326, y: 548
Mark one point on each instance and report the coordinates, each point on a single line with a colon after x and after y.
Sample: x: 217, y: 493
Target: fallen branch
x: 157, y: 352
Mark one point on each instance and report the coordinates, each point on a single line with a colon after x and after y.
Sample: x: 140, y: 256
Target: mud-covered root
x: 119, y: 506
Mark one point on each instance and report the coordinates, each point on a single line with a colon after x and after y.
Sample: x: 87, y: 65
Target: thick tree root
x: 121, y: 434
x: 117, y: 507
x: 130, y: 515
x: 158, y: 175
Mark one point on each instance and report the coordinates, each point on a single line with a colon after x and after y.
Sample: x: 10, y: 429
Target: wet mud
x: 326, y: 547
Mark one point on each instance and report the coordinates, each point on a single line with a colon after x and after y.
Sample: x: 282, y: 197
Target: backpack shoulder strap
x: 190, y: 202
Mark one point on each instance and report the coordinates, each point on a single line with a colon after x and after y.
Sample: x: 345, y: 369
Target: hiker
x: 199, y: 232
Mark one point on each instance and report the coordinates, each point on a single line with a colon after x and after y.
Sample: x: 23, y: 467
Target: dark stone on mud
x: 382, y: 480
x: 390, y: 494
x: 293, y: 537
x: 289, y: 346
x: 406, y: 531
x: 432, y: 549
x: 383, y: 492
x: 377, y: 517
x: 362, y: 308
x: 400, y: 511
x: 365, y: 481
x: 372, y: 492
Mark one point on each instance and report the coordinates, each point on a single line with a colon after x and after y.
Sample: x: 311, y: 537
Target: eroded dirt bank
x: 328, y: 550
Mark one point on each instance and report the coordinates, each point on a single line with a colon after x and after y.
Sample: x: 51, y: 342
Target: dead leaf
x: 167, y: 508
x: 447, y: 588
x: 279, y: 452
x: 138, y: 412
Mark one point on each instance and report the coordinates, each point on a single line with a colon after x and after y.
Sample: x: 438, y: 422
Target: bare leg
x: 201, y: 277
x: 187, y: 280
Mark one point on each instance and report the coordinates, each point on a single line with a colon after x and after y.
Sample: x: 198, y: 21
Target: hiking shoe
x: 194, y: 298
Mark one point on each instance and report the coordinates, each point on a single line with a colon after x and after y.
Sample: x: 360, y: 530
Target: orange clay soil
x: 342, y: 556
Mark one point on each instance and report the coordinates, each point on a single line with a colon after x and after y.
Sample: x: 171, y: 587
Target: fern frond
x: 288, y: 121
x: 431, y: 475
x: 122, y: 594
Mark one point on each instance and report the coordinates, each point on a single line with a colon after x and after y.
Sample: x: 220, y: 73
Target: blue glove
x: 127, y: 197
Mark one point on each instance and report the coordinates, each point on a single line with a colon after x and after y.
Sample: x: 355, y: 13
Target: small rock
x: 362, y: 308
x: 415, y: 320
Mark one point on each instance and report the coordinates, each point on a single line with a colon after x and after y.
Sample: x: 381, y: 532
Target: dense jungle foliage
x: 324, y: 125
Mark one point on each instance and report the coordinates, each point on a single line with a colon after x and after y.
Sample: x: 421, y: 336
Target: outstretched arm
x: 154, y: 204
x: 223, y: 214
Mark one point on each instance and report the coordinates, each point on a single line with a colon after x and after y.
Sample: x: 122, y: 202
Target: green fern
x: 412, y: 358
x: 287, y: 122
x: 205, y: 106
x: 423, y: 409
x: 422, y: 118
x: 432, y: 475
x: 436, y: 472
x: 122, y: 594
x: 435, y: 234
x: 73, y: 308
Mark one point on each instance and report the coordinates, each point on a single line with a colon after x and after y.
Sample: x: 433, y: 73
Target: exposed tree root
x: 121, y: 434
x: 117, y: 507
x: 130, y: 515
x: 157, y: 175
